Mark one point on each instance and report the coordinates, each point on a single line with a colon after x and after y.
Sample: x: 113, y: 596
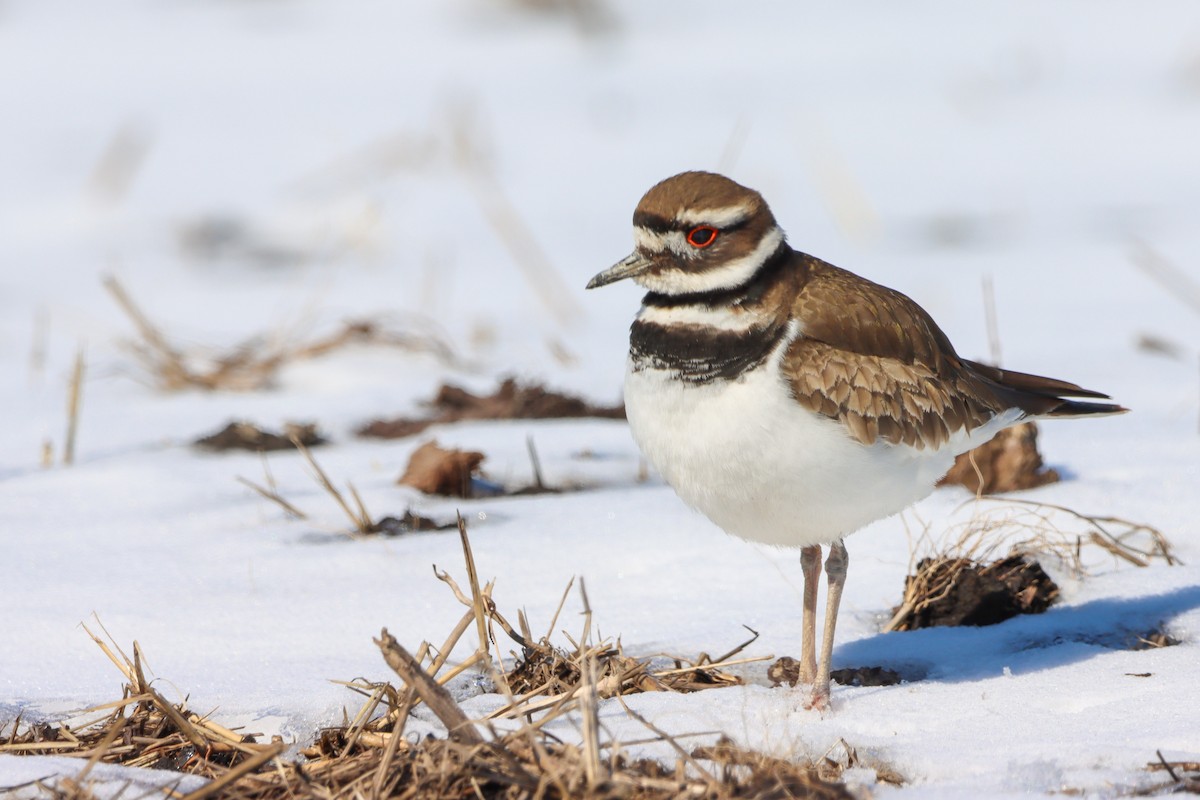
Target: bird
x: 793, y: 402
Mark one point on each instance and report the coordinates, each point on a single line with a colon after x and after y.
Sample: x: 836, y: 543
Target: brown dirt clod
x: 784, y: 670
x: 865, y: 676
x: 511, y: 400
x: 958, y: 591
x: 410, y: 522
x: 239, y: 435
x: 787, y: 670
x: 436, y: 470
x: 1007, y: 463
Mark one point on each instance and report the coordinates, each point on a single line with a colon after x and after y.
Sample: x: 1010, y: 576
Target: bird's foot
x: 815, y: 698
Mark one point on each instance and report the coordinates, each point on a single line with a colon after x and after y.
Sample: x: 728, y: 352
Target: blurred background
x: 456, y: 171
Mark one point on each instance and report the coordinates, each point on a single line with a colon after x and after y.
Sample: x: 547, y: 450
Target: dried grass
x: 371, y: 757
x: 144, y: 729
x: 1184, y: 775
x: 999, y: 530
x: 254, y: 364
x: 74, y: 407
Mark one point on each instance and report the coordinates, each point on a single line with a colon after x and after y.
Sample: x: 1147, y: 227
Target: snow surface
x: 923, y: 145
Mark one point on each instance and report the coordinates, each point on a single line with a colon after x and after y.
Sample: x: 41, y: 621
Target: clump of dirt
x: 959, y: 591
x: 784, y: 670
x: 410, y: 522
x: 787, y: 670
x: 436, y: 470
x: 240, y: 435
x: 1007, y: 463
x: 1153, y: 640
x: 510, y: 401
x: 865, y: 676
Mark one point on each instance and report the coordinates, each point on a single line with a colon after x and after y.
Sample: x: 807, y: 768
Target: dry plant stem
x: 122, y: 665
x: 1167, y: 273
x: 989, y: 314
x: 1170, y: 770
x: 1110, y: 541
x: 393, y: 744
x: 435, y: 696
x: 589, y: 704
x: 840, y: 190
x: 734, y: 662
x: 684, y: 755
x: 232, y: 776
x: 362, y: 718
x: 113, y: 732
x: 274, y: 497
x: 561, y: 602
x: 536, y: 463
x: 733, y: 145
x: 512, y: 231
x: 724, y: 657
x: 74, y: 405
x: 171, y: 363
x: 518, y: 238
x: 362, y: 523
x: 37, y: 350
x: 477, y: 600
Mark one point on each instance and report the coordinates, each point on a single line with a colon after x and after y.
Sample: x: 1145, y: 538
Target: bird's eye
x: 702, y: 236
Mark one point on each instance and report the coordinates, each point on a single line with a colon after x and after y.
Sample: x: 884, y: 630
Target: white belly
x: 765, y: 469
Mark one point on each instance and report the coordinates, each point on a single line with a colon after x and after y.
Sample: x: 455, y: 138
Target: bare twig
x: 232, y: 776
x: 39, y: 345
x: 435, y: 696
x: 1155, y: 265
x: 589, y: 705
x: 360, y: 520
x: 536, y: 463
x: 734, y: 145
x: 508, y: 225
x: 74, y: 406
x: 274, y: 497
x: 989, y: 313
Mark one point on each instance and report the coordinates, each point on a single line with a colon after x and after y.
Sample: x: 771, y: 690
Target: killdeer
x: 790, y: 401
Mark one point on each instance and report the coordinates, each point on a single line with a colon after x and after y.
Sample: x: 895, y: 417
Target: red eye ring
x: 702, y: 236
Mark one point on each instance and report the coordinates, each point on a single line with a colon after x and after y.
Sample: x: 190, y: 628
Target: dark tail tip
x: 1077, y: 408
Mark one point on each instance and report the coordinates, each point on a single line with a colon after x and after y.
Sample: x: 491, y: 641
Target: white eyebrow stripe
x: 727, y: 276
x: 657, y: 242
x: 717, y: 217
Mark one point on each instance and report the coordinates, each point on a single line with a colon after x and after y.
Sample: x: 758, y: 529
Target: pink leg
x: 835, y: 571
x: 810, y: 565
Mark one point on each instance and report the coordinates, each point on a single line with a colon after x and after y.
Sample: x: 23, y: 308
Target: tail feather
x: 1038, y: 396
x: 1034, y: 384
x: 1076, y: 408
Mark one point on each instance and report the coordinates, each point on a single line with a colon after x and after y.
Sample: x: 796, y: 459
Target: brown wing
x: 873, y: 359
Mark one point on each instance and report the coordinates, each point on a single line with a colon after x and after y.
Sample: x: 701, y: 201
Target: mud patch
x: 410, y: 522
x: 240, y: 435
x: 510, y: 401
x: 786, y: 670
x: 866, y: 676
x: 959, y: 591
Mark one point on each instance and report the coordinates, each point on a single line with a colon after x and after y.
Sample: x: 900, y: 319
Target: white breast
x: 765, y: 469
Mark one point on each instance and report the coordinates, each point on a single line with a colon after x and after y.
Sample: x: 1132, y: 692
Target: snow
x: 924, y: 146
